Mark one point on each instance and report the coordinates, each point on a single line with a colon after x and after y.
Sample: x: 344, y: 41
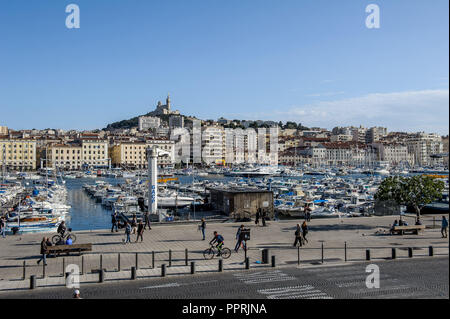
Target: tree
x: 416, y: 191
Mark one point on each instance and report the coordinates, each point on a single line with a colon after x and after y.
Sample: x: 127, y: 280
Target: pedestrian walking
x: 257, y: 217
x: 298, y: 236
x: 43, y: 251
x: 444, y: 227
x: 305, y: 230
x: 238, y: 238
x: 147, y: 220
x: 3, y: 227
x: 263, y: 218
x: 134, y: 224
x: 140, y: 231
x: 114, y: 223
x: 202, y: 227
x: 127, y: 232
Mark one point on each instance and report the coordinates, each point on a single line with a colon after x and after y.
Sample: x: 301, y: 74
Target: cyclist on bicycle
x: 62, y: 229
x: 219, y: 240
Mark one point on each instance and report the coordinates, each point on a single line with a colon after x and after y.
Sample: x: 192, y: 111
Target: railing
x: 91, y: 263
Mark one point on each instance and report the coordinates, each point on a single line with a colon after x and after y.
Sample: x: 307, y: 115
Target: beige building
x: 86, y: 153
x: 4, y: 130
x: 18, y: 154
x: 394, y: 153
x: 65, y: 156
x: 134, y: 155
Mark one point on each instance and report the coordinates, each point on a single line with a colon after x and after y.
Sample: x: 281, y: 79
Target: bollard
x: 322, y: 252
x: 265, y: 256
x: 170, y: 258
x: 247, y: 263
x: 63, y: 266
x: 32, y: 282
x: 43, y: 270
x: 153, y: 259
x: 133, y: 273
x: 394, y: 253
x: 118, y: 262
x: 24, y: 269
x: 163, y: 270
x: 430, y: 251
x: 273, y: 261
x: 345, y: 251
x: 410, y: 252
x: 137, y: 261
x: 101, y: 275
x: 192, y: 267
x: 186, y: 257
x: 298, y: 255
x: 368, y: 254
x: 101, y: 262
x: 220, y: 265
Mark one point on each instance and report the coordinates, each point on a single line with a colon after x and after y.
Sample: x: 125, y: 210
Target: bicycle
x: 57, y: 238
x: 212, y: 251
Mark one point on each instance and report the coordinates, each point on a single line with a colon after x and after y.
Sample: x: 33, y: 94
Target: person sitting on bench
x: 418, y: 222
x: 394, y: 225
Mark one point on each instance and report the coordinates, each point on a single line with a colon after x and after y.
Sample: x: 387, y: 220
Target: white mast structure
x: 152, y: 157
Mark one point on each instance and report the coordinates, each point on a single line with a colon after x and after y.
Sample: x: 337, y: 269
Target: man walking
x: 140, y: 231
x: 147, y: 220
x: 43, y: 251
x: 203, y: 227
x: 3, y: 226
x: 263, y: 218
x: 257, y: 217
x: 114, y: 223
x: 298, y: 236
x: 444, y: 227
x: 239, y: 238
x: 127, y: 232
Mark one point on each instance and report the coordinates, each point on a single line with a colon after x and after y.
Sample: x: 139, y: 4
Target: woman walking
x: 305, y: 230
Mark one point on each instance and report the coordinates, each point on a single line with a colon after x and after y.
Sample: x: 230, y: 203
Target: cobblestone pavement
x: 359, y: 234
x: 419, y: 278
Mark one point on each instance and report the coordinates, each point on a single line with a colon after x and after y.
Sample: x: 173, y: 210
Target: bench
x: 403, y: 229
x: 61, y: 249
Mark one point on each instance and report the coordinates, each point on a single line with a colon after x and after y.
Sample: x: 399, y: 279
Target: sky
x: 310, y: 61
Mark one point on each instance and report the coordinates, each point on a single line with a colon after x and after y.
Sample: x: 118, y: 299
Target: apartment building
x: 423, y: 146
x: 18, y: 154
x: 394, y: 153
x: 65, y: 156
x: 148, y: 122
x: 133, y: 155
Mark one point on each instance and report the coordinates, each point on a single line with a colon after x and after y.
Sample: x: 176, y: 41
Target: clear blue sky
x: 309, y: 61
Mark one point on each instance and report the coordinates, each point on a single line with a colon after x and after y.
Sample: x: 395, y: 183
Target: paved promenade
x: 359, y: 234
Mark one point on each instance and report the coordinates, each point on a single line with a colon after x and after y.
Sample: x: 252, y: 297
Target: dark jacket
x: 140, y: 228
x: 43, y: 247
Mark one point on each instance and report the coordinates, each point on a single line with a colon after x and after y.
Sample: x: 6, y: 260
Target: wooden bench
x: 403, y: 229
x: 61, y: 249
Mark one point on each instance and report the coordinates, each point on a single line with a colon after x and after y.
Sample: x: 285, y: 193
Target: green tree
x: 416, y: 191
